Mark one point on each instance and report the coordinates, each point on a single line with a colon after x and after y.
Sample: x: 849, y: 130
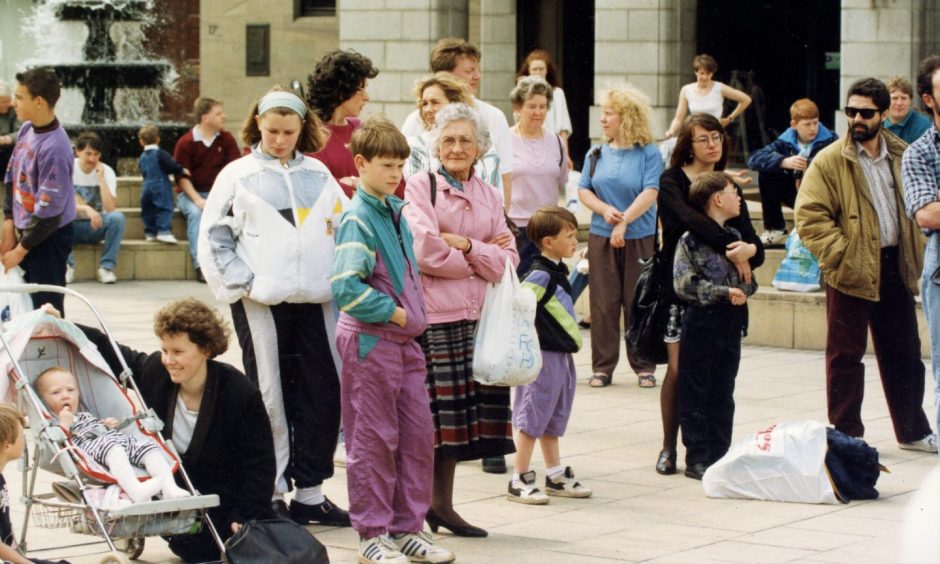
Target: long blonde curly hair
x: 634, y: 110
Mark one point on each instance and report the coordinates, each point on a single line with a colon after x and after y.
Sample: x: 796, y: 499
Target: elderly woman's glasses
x: 713, y: 139
x: 464, y: 142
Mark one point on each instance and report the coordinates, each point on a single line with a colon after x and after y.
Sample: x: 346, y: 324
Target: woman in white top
x: 539, y: 63
x: 707, y: 96
x: 433, y: 93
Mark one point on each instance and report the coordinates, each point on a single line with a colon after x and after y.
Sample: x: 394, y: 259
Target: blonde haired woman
x: 619, y: 183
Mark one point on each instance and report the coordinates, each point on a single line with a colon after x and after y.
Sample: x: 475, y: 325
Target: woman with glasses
x: 619, y: 184
x: 701, y: 147
x: 337, y: 90
x: 461, y: 243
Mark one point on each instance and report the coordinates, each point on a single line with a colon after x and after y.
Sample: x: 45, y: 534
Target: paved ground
x: 612, y: 442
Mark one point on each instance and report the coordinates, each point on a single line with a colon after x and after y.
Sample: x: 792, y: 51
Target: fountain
x: 108, y: 78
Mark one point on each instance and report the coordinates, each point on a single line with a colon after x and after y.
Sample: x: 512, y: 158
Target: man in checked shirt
x: 921, y: 178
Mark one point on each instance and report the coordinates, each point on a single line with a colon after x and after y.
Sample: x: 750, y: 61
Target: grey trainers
x: 927, y: 444
x: 420, y: 547
x: 380, y: 550
x: 524, y: 490
x: 564, y: 485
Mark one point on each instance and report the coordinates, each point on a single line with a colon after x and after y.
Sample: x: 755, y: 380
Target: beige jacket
x: 837, y: 221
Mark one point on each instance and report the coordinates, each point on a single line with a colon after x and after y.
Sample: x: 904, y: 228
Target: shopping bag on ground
x: 785, y: 462
x: 799, y: 271
x: 13, y: 304
x: 506, y: 347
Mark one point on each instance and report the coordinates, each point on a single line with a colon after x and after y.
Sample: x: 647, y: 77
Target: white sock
x: 310, y: 496
x: 158, y: 467
x: 120, y: 467
x: 517, y: 477
x: 555, y: 471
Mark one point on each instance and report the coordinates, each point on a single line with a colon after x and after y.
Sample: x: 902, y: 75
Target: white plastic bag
x: 785, y: 462
x: 506, y: 347
x: 13, y: 304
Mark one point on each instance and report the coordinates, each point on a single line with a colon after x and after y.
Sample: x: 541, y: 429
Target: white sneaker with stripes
x: 420, y: 547
x: 381, y: 550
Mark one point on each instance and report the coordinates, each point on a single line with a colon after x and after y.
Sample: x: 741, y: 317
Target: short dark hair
x: 204, y: 325
x: 925, y: 71
x: 42, y: 82
x: 445, y: 53
x: 682, y: 152
x: 705, y: 186
x: 379, y: 138
x: 336, y: 78
x: 548, y: 222
x: 202, y: 106
x: 871, y: 88
x: 705, y: 62
x: 89, y: 139
x: 149, y: 134
x: 9, y: 417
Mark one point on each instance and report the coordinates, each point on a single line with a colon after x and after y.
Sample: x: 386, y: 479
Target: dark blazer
x: 232, y: 450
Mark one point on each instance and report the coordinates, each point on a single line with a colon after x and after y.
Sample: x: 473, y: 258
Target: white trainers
x: 167, y: 238
x: 380, y: 549
x: 106, y: 276
x: 773, y: 237
x: 69, y: 274
x: 150, y: 238
x: 927, y: 444
x: 524, y: 490
x: 420, y: 547
x: 564, y: 485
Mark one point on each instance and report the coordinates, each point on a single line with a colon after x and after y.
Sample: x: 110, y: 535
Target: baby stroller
x: 37, y: 341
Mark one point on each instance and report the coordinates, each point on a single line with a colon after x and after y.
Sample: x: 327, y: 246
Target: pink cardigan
x: 454, y: 282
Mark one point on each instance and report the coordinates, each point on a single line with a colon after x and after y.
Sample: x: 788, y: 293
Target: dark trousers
x: 615, y: 273
x: 708, y: 364
x: 292, y: 341
x: 527, y: 251
x: 45, y: 264
x: 894, y: 333
x: 156, y: 208
x: 776, y: 190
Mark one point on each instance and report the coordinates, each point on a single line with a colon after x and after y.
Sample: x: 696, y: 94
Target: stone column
x: 648, y: 44
x: 398, y: 35
x: 497, y: 43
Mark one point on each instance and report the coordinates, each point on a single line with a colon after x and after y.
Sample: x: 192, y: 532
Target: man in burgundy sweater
x: 204, y: 151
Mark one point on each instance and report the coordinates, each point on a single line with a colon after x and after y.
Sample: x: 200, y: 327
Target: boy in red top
x: 204, y: 151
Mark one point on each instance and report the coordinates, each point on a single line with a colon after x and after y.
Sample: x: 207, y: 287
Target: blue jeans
x: 193, y: 215
x: 111, y: 232
x: 930, y: 295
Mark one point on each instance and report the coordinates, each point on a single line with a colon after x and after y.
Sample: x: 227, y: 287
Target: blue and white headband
x: 282, y: 99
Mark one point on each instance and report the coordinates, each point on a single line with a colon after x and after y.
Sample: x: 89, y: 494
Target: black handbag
x: 649, y: 312
x: 274, y: 541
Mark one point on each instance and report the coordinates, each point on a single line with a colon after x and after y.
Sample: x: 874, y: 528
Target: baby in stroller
x: 117, y: 451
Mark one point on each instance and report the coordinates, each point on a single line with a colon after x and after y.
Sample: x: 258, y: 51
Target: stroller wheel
x: 114, y: 557
x: 133, y: 547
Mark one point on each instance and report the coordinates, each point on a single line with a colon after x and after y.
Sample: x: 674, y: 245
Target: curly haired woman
x: 337, y: 90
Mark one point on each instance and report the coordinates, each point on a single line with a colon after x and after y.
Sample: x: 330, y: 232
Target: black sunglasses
x: 867, y: 113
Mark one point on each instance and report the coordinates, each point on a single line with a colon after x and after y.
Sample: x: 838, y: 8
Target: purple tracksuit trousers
x: 389, y: 433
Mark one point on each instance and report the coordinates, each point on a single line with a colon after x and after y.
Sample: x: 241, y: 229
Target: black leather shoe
x: 696, y: 471
x: 279, y: 507
x: 323, y: 513
x: 494, y: 465
x: 666, y: 464
x: 436, y: 522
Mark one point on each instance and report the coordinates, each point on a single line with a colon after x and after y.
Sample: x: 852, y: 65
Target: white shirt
x: 184, y: 422
x: 87, y: 187
x: 495, y: 121
x: 197, y: 136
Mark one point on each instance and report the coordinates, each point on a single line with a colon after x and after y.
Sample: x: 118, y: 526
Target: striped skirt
x: 470, y: 420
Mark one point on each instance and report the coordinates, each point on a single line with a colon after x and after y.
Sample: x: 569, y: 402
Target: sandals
x: 646, y: 380
x: 599, y: 380
x: 666, y: 464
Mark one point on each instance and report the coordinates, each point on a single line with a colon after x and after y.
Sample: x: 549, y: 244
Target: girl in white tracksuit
x: 265, y: 247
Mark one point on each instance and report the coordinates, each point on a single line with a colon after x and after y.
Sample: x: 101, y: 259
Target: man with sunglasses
x: 921, y: 174
x: 849, y: 214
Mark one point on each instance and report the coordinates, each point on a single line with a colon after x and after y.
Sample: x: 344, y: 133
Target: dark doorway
x: 785, y: 44
x: 564, y: 28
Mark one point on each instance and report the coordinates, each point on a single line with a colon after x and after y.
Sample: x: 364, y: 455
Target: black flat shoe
x: 666, y: 464
x: 279, y: 508
x: 696, y: 471
x: 495, y: 465
x: 323, y: 513
x: 436, y: 522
